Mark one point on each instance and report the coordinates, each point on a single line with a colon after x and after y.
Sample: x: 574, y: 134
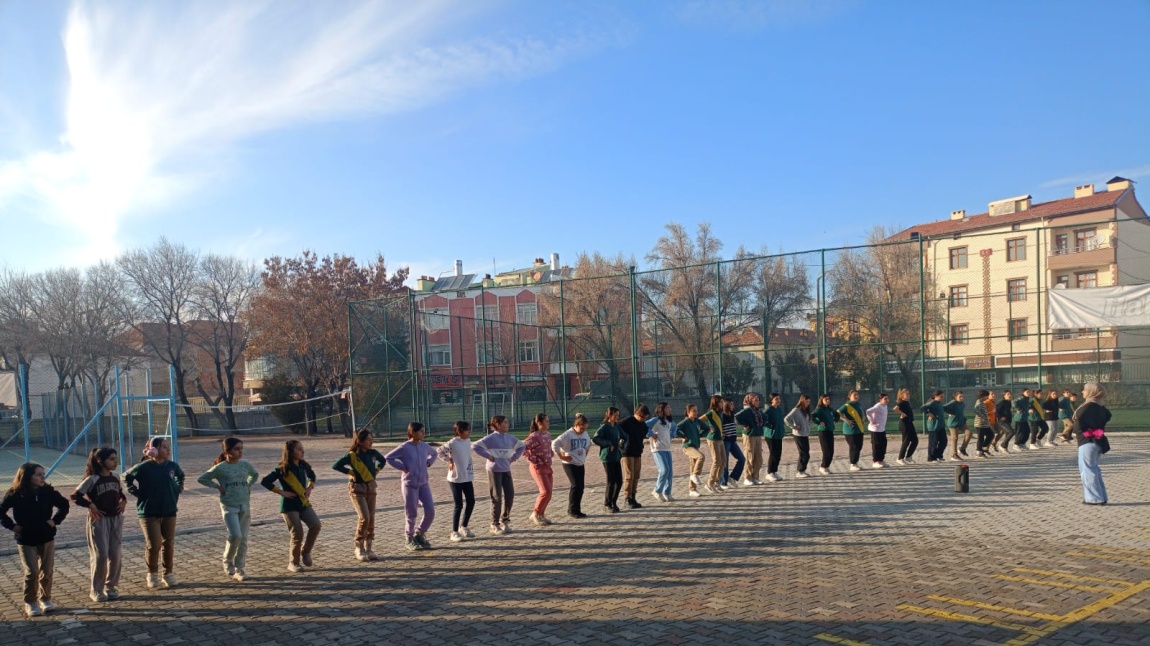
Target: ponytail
x: 226, y: 446
x: 537, y: 423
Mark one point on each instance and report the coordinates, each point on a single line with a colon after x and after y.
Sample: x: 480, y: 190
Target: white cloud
x: 1098, y: 177
x: 158, y: 94
x: 756, y: 15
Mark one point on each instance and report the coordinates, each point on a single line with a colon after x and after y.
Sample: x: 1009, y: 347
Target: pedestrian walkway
x: 877, y: 557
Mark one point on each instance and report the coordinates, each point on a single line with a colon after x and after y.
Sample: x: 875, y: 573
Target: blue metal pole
x: 172, y: 412
x: 124, y: 459
x: 24, y: 412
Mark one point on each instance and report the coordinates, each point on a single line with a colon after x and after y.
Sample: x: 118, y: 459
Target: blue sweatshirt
x: 500, y: 450
x: 414, y: 458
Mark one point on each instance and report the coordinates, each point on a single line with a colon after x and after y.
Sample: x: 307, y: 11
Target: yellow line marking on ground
x: 1053, y: 584
x: 990, y: 606
x: 840, y: 640
x: 1111, y: 557
x: 1074, y: 577
x: 1085, y: 612
x: 955, y: 616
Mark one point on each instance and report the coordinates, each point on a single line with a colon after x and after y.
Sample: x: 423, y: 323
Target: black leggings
x: 502, y: 496
x: 985, y: 435
x: 614, y: 483
x: 854, y: 444
x: 575, y: 474
x: 774, y: 453
x: 461, y: 491
x: 1021, y: 432
x: 827, y: 444
x: 804, y: 445
x: 909, y: 438
x: 878, y: 446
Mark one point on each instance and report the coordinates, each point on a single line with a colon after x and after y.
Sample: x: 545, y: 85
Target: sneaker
x: 153, y: 580
x: 112, y: 592
x: 747, y: 482
x: 695, y: 479
x: 668, y: 498
x: 907, y: 461
x: 954, y: 458
x: 877, y: 465
x: 725, y: 487
x: 535, y: 519
x: 611, y: 509
x: 98, y: 597
x: 229, y: 569
x: 694, y: 493
x: 410, y: 544
x: 467, y: 533
x: 360, y: 554
x: 370, y: 554
x: 658, y: 495
x: 732, y: 482
x: 981, y: 454
x: 455, y: 537
x: 32, y: 610
x: 1032, y: 446
x: 305, y: 559
x: 577, y: 515
x: 633, y: 504
x: 294, y: 567
x: 46, y: 606
x: 823, y: 471
x: 855, y: 467
x: 170, y: 580
x: 422, y: 540
x: 802, y: 474
x: 963, y: 452
x: 932, y: 461
x: 240, y: 575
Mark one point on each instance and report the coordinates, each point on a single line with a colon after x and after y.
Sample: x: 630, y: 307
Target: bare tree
x: 163, y: 281
x: 222, y: 297
x: 596, y: 321
x: 19, y: 342
x: 57, y: 307
x: 693, y: 298
x: 102, y: 343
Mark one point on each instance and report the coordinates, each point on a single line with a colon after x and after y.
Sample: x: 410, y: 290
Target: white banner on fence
x: 1128, y: 305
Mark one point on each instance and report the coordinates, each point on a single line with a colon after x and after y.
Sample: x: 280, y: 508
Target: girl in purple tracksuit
x: 500, y: 449
x: 412, y: 458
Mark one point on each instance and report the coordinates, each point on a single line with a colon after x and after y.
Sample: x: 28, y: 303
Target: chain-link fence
x: 955, y: 313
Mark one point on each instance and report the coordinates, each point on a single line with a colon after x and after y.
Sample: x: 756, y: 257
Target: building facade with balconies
x: 992, y: 271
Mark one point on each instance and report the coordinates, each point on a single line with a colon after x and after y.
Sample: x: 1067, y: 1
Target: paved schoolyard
x: 876, y: 557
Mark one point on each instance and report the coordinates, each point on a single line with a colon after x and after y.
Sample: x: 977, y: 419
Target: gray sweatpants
x: 104, y: 551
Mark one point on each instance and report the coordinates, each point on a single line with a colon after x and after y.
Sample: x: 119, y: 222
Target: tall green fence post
x: 634, y: 342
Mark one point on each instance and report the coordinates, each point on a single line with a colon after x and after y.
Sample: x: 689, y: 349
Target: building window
x: 959, y: 334
x: 529, y: 351
x: 1016, y: 289
x: 958, y: 296
x: 525, y: 313
x: 1063, y: 280
x: 1015, y: 249
x: 958, y: 257
x: 1084, y: 239
x: 1061, y: 244
x: 439, y: 355
x: 486, y: 313
x: 1086, y: 279
x: 1017, y: 329
x: 1016, y: 227
x: 437, y: 318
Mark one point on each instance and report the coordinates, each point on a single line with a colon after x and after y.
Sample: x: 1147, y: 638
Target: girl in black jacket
x: 31, y: 501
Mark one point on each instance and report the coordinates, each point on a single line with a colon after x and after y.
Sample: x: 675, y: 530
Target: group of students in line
x: 157, y: 482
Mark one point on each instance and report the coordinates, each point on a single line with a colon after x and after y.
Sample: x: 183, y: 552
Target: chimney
x: 958, y: 215
x: 458, y: 267
x: 1009, y: 205
x: 538, y: 262
x: 1118, y: 184
x: 488, y: 281
x: 554, y: 262
x: 1086, y: 190
x: 424, y: 284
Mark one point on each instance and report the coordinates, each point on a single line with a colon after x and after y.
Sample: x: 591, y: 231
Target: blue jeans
x: 663, y: 464
x: 238, y: 519
x: 1093, y: 489
x: 735, y: 453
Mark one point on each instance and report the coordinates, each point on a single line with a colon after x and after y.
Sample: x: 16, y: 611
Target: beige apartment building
x: 991, y: 273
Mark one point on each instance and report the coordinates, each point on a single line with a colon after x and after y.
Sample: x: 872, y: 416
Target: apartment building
x: 992, y: 271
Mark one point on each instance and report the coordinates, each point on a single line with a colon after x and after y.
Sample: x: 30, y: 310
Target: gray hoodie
x: 799, y: 422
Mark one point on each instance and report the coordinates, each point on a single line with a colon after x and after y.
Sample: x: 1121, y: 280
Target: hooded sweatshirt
x: 500, y: 450
x: 414, y: 458
x: 31, y: 510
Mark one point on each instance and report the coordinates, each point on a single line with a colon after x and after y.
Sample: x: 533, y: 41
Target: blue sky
x: 496, y: 132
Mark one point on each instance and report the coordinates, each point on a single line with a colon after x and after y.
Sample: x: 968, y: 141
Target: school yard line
x: 1111, y: 557
x: 957, y: 616
x: 1074, y: 577
x: 1053, y: 584
x: 990, y: 606
x: 1085, y: 612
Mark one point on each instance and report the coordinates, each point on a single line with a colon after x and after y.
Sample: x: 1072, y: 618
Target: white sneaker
x: 747, y: 482
x: 240, y: 575
x: 657, y: 496
x: 32, y: 610
x: 907, y: 461
x: 802, y: 474
x: 455, y: 537
x: 360, y: 555
x: 878, y: 465
x: 169, y: 581
x: 855, y: 467
x: 46, y: 606
x: 954, y: 458
x: 900, y: 462
x: 1032, y: 446
x: 694, y: 493
x: 695, y: 479
x: 153, y: 580
x: 774, y: 477
x: 668, y: 498
x: 535, y: 519
x: 725, y: 487
x: 294, y: 567
x: 732, y: 483
x: 467, y: 533
x: 112, y: 592
x: 98, y: 597
x: 823, y: 471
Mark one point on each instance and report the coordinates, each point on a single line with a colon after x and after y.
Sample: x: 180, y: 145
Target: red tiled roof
x: 1066, y: 206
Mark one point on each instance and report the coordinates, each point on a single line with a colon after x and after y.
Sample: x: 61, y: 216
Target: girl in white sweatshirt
x: 460, y: 477
x: 876, y: 417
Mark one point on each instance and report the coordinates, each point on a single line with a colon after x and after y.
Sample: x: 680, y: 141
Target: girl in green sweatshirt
x: 157, y: 483
x: 233, y: 477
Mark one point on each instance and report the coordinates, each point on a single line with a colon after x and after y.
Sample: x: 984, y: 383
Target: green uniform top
x: 690, y: 430
x: 955, y: 414
x: 156, y: 486
x: 776, y: 429
x: 825, y: 418
x: 236, y: 479
x: 851, y: 423
x: 609, y: 439
x: 934, y: 408
x: 751, y: 423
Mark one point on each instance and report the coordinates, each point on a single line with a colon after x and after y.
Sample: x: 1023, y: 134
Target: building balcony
x: 1083, y: 340
x: 1097, y: 252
